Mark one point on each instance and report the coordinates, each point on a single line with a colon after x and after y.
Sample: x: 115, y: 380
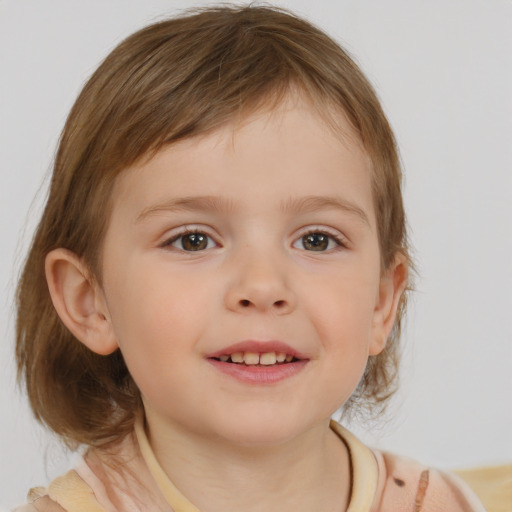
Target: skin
x: 252, y: 446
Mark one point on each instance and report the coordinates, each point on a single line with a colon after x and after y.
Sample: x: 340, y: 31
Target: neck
x: 306, y: 473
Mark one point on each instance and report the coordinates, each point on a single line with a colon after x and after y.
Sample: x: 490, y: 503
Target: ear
x: 79, y: 301
x: 392, y: 285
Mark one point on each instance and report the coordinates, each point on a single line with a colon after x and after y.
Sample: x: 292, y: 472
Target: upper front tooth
x: 251, y: 358
x: 268, y: 358
x: 280, y: 357
x: 237, y: 357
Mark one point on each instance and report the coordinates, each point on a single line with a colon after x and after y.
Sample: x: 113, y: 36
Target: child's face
x: 259, y: 238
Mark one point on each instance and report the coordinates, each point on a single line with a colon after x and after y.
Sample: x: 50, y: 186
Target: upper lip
x: 259, y: 347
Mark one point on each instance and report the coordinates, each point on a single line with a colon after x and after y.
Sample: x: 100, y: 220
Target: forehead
x: 289, y: 149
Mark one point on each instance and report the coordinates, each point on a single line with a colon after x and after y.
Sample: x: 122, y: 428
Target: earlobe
x: 79, y: 301
x: 392, y: 286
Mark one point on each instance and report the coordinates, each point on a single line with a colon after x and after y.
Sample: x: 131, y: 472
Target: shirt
x: 381, y: 482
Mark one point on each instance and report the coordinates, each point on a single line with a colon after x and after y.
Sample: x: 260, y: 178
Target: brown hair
x: 172, y: 80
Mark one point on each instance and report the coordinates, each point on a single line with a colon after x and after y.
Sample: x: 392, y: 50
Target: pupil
x: 194, y: 242
x: 315, y: 241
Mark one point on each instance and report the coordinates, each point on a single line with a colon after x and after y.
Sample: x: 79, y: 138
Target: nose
x: 260, y: 283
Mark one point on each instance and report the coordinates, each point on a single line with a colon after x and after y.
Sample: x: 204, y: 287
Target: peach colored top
x: 381, y: 483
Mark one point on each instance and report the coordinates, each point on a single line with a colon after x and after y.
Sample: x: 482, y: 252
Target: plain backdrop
x: 443, y: 71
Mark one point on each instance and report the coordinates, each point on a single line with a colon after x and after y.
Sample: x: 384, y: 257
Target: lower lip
x: 259, y: 374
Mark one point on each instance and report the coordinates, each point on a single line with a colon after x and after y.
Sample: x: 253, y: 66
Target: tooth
x: 237, y: 357
x: 280, y: 357
x: 289, y: 358
x: 224, y: 358
x: 268, y: 358
x: 251, y: 358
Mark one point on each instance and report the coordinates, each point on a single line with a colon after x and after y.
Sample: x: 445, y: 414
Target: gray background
x: 443, y: 71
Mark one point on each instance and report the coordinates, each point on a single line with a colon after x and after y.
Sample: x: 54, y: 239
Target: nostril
x: 247, y: 303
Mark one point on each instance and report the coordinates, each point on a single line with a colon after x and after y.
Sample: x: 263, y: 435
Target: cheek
x: 146, y: 294
x: 155, y: 319
x: 344, y: 315
x: 154, y: 339
x: 343, y: 324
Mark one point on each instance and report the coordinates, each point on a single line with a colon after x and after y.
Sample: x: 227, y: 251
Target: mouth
x: 257, y: 359
x: 258, y: 362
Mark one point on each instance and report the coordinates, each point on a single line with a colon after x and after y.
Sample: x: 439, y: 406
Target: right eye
x: 191, y: 241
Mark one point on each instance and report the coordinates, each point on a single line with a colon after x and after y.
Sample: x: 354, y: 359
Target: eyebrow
x: 195, y: 203
x: 317, y: 203
x: 223, y: 205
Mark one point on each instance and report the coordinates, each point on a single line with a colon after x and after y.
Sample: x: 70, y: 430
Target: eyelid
x: 339, y: 238
x: 181, y: 231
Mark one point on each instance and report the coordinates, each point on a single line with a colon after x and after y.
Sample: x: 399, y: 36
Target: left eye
x: 316, y: 241
x: 195, y: 241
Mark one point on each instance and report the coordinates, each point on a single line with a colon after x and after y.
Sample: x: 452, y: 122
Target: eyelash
x: 182, y: 234
x: 340, y: 241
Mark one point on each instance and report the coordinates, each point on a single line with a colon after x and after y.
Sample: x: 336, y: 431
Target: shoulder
x: 41, y: 504
x: 67, y: 493
x: 384, y: 482
x: 405, y: 483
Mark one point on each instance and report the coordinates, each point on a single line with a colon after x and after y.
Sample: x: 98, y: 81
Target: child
x: 221, y: 265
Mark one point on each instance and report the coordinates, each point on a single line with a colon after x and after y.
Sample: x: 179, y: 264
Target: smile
x: 257, y: 359
x: 258, y: 363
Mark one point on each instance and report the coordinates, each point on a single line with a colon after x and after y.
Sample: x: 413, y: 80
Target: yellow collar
x: 363, y: 466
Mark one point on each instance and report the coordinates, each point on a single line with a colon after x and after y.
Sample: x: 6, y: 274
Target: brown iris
x: 194, y: 241
x: 315, y: 241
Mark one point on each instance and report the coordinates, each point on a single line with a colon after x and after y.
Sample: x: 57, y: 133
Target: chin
x: 262, y: 430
